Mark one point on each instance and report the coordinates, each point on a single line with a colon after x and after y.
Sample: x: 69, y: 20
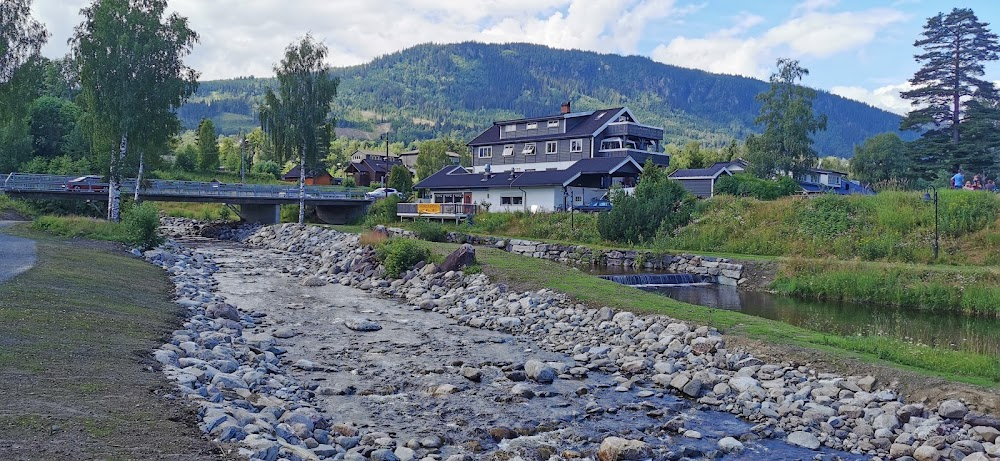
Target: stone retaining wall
x: 711, y: 270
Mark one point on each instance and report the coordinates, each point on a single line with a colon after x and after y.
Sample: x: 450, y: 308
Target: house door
x: 467, y: 198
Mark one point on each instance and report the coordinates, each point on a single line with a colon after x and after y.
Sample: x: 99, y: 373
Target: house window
x: 508, y: 150
x: 551, y: 147
x: 484, y: 152
x: 515, y: 200
x: 553, y: 124
x: 529, y: 149
x: 510, y: 128
x: 532, y: 125
x: 576, y: 145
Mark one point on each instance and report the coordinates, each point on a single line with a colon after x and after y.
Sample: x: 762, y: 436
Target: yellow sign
x: 428, y: 208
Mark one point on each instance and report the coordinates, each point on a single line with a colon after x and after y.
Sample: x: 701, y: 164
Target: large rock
x: 540, y: 372
x: 952, y: 409
x: 926, y: 453
x: 362, y: 325
x: 804, y: 440
x: 730, y: 445
x: 619, y: 449
x: 464, y: 256
x: 222, y: 311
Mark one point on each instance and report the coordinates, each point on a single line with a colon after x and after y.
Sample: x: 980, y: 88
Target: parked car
x: 383, y: 192
x: 595, y: 205
x: 88, y: 183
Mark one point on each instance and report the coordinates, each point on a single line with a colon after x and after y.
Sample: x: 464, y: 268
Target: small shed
x: 700, y: 182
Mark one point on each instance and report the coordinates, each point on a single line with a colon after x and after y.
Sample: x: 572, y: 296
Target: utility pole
x: 243, y: 144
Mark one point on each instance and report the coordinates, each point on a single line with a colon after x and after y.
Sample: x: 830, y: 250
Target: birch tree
x: 129, y: 57
x: 297, y: 118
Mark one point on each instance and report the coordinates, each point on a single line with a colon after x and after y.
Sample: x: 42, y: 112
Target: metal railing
x: 437, y: 209
x: 22, y: 182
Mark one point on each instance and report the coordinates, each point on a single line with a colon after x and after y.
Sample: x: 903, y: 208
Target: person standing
x: 958, y: 180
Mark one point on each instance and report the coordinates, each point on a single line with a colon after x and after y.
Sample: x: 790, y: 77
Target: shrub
x: 659, y: 206
x: 432, y: 232
x: 399, y: 255
x: 141, y: 223
x: 383, y: 211
x: 745, y: 185
x: 268, y: 167
x: 372, y: 238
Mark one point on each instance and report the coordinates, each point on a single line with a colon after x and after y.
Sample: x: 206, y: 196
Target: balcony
x: 633, y: 129
x: 442, y: 211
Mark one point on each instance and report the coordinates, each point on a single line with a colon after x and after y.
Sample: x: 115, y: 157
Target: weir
x: 654, y: 279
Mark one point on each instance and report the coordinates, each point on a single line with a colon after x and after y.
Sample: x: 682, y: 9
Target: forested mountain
x: 460, y: 89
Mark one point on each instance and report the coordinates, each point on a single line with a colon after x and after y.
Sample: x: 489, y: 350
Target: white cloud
x: 243, y: 38
x: 886, y: 97
x: 813, y: 5
x: 812, y: 34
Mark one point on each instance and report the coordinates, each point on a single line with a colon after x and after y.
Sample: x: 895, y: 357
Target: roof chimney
x: 565, y: 108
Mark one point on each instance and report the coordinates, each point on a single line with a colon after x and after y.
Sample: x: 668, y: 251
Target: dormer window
x: 529, y: 149
x: 553, y: 124
x: 509, y: 128
x: 508, y: 150
x: 532, y: 125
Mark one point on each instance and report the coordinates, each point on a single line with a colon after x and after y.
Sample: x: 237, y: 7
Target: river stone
x: 540, y: 372
x: 222, y: 311
x: 442, y: 390
x: 522, y: 390
x: 362, y: 325
x: 898, y: 450
x: 867, y: 383
x: 988, y: 433
x: 730, y: 445
x: 284, y: 333
x: 743, y: 383
x: 926, y: 453
x: 383, y: 454
x: 313, y: 281
x: 804, y: 440
x: 619, y: 449
x: 952, y: 409
x: 977, y: 457
x: 472, y: 374
x: 404, y: 453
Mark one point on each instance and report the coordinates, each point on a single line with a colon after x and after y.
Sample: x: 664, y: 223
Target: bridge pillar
x: 340, y: 214
x: 264, y: 214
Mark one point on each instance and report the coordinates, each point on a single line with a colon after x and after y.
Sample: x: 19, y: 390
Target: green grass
x: 74, y: 333
x: 18, y: 206
x: 79, y: 227
x: 524, y: 273
x: 970, y: 290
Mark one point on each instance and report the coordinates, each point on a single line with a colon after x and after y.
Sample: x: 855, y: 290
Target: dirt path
x: 18, y: 254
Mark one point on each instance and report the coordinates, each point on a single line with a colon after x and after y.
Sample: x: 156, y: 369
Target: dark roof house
x: 700, y: 182
x: 370, y: 171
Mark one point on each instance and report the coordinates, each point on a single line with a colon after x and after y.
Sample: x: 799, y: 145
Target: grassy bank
x: 890, y: 226
x: 971, y: 290
x: 525, y: 273
x: 76, y: 333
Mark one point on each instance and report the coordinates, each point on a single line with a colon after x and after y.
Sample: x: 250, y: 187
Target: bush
x: 141, y: 223
x: 399, y: 255
x: 745, y: 185
x: 659, y: 207
x: 268, y: 168
x: 383, y: 211
x: 432, y: 232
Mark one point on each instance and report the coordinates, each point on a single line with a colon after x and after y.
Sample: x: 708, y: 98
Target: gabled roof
x: 374, y: 166
x: 711, y: 172
x: 417, y: 151
x: 294, y: 173
x: 592, y: 123
x: 456, y: 177
x: 373, y: 153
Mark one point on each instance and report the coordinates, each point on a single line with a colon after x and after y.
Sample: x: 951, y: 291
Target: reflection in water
x: 937, y: 329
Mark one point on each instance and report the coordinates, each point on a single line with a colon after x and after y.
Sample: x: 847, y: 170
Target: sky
x: 860, y: 49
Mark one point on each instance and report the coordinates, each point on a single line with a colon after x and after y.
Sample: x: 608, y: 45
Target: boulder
x: 222, y: 311
x: 952, y: 409
x: 730, y: 445
x: 926, y: 453
x: 464, y: 256
x: 362, y: 325
x: 804, y: 440
x: 540, y: 372
x: 619, y: 449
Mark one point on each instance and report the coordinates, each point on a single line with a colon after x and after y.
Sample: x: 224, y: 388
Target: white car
x: 383, y: 192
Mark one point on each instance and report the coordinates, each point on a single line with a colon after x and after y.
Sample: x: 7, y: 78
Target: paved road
x: 16, y: 254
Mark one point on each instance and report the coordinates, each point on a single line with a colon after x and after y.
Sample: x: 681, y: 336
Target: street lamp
x: 932, y: 194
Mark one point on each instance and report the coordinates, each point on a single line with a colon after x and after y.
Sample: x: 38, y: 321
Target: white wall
x: 546, y: 199
x: 539, y: 166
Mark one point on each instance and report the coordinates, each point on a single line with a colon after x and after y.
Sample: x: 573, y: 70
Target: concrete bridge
x: 256, y: 202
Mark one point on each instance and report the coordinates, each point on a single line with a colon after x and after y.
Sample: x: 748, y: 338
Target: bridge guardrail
x: 24, y: 182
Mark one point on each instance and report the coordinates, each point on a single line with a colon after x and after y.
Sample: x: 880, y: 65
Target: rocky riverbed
x: 298, y: 347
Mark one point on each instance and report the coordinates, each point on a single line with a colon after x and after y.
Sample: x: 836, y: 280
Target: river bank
x: 788, y: 402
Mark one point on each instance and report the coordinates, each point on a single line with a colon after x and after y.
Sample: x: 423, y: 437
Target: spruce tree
x: 955, y: 47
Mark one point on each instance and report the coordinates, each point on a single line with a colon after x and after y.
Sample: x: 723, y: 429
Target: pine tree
x: 955, y: 47
x: 208, y: 146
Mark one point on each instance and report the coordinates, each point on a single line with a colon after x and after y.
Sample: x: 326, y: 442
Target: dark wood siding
x: 701, y: 188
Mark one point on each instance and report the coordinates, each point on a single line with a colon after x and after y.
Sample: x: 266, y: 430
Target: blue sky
x: 858, y: 49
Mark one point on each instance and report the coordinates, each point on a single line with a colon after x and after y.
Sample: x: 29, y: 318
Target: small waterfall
x: 653, y: 279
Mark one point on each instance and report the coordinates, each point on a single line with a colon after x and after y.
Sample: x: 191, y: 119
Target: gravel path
x: 17, y: 254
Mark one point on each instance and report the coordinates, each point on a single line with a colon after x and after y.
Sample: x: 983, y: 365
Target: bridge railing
x: 24, y: 182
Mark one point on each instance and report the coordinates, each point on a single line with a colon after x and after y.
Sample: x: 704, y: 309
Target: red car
x: 89, y: 183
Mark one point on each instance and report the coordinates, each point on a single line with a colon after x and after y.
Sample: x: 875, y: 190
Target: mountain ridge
x: 460, y: 89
